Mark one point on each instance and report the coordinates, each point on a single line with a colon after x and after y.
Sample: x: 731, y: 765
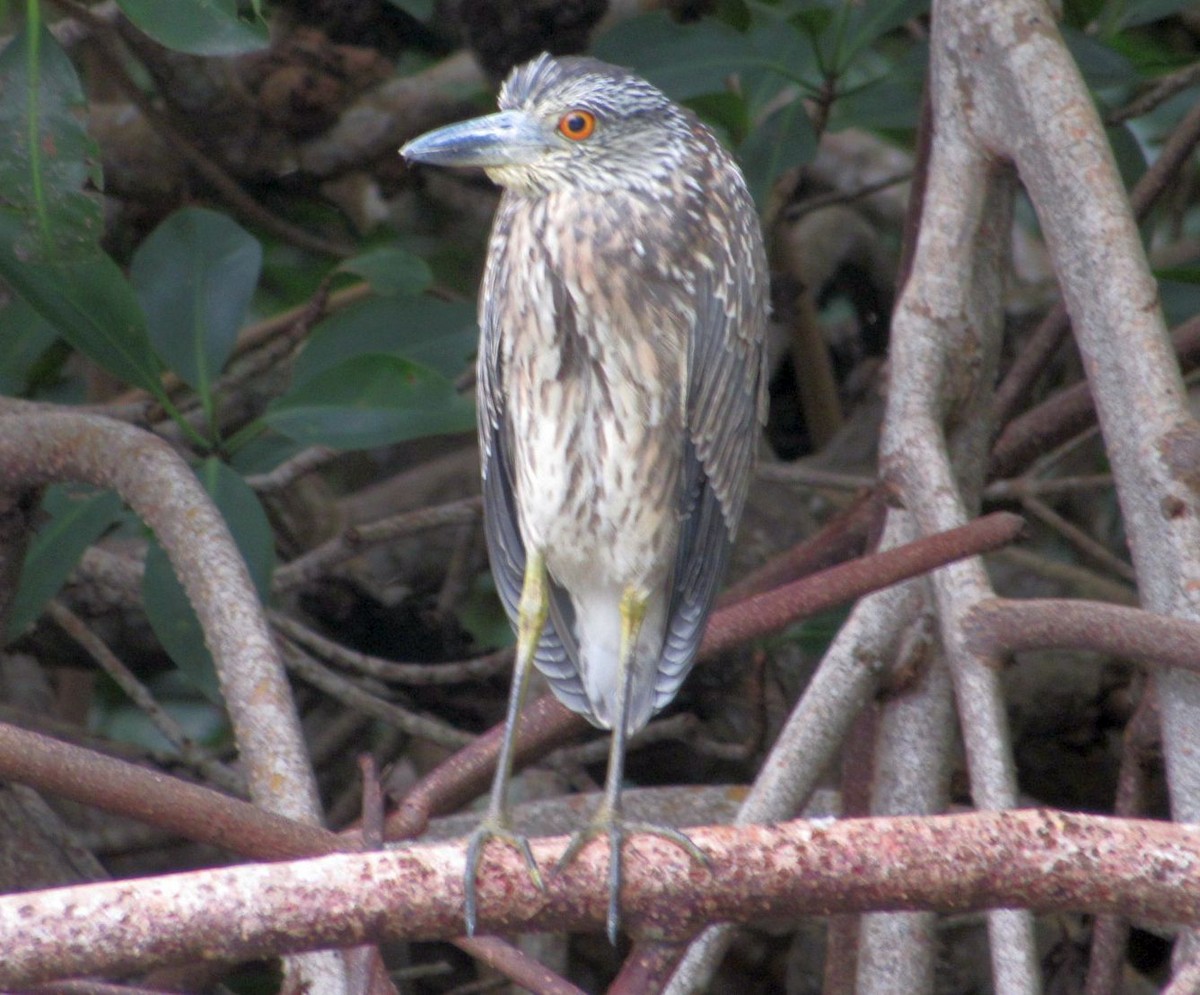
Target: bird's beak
x: 510, y: 138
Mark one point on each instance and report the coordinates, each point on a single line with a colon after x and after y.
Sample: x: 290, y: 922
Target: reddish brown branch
x: 1007, y: 626
x: 157, y: 799
x: 1110, y: 933
x: 847, y: 534
x: 1041, y: 860
x: 772, y: 611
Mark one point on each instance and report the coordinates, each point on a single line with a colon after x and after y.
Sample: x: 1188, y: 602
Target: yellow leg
x: 532, y: 612
x: 608, y: 819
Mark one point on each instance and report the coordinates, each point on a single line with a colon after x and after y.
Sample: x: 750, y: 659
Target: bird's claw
x: 617, y: 830
x: 494, y: 831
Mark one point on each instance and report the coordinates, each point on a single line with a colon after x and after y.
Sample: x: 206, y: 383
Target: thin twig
x: 1158, y: 92
x: 355, y: 540
x: 814, y: 203
x: 845, y: 535
x: 353, y: 696
x: 1083, y: 542
x: 289, y: 471
x: 1110, y: 934
x: 189, y: 752
x: 799, y: 474
x: 179, y: 807
x: 1068, y: 412
x: 1019, y: 487
x: 412, y: 674
x: 1082, y: 581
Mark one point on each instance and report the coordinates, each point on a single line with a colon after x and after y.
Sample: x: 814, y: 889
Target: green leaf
x: 49, y: 166
x: 480, y: 612
x: 27, y: 336
x: 862, y: 24
x: 74, y: 524
x: 1080, y: 13
x: 420, y: 10
x: 779, y: 43
x: 888, y: 101
x: 683, y: 60
x: 170, y: 612
x: 368, y: 401
x: 1129, y: 153
x: 1101, y: 66
x: 264, y: 452
x: 783, y: 140
x: 199, y: 27
x: 1137, y: 12
x: 247, y: 520
x: 89, y: 303
x: 815, y: 634
x: 125, y: 722
x: 194, y: 277
x: 437, y: 334
x: 174, y: 621
x: 1180, y: 274
x: 391, y: 271
x: 1179, y: 289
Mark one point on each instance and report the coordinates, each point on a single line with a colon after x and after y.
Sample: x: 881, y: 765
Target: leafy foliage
x: 199, y: 27
x: 194, y: 277
x: 371, y: 400
x: 50, y: 173
x: 89, y: 303
x: 73, y: 523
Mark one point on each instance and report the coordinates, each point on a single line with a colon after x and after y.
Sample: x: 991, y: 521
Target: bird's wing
x: 557, y: 651
x: 726, y: 405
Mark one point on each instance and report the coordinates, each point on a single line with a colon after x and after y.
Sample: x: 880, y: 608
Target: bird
x: 621, y: 393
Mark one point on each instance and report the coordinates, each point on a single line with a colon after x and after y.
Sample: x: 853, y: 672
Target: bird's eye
x: 577, y: 125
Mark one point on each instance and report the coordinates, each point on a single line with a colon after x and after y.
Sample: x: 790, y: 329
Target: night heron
x: 621, y: 391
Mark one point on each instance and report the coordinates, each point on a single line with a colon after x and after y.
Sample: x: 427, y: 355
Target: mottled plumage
x: 621, y: 387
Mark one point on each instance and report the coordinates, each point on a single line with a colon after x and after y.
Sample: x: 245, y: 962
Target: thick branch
x: 1009, y: 626
x: 154, y: 481
x: 1041, y: 860
x: 192, y: 811
x: 768, y: 612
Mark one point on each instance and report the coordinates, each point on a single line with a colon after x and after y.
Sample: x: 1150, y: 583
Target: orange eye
x: 577, y: 125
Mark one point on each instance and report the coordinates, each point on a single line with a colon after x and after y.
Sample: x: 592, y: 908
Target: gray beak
x: 510, y: 138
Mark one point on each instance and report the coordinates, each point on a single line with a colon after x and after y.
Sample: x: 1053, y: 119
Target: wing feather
x: 726, y: 405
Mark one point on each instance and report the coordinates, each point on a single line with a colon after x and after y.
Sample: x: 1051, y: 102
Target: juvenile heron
x: 621, y: 390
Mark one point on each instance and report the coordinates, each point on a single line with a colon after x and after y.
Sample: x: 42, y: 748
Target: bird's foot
x: 616, y: 828
x: 494, y: 828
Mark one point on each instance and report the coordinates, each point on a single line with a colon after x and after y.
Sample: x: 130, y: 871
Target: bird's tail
x: 598, y: 629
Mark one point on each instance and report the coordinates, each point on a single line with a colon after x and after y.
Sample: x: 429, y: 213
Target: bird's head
x: 567, y: 123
